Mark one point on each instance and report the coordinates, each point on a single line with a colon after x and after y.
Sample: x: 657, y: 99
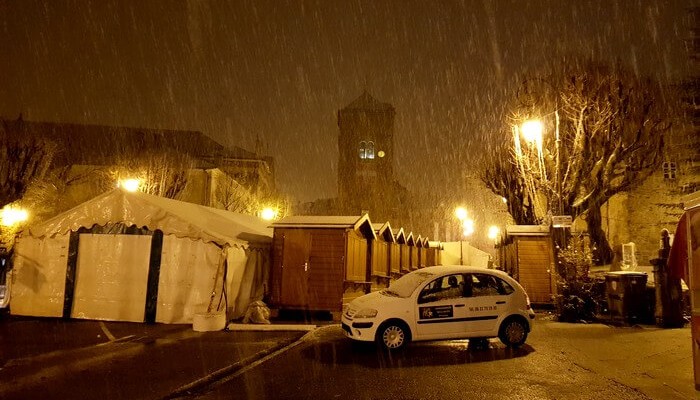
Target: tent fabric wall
x: 38, y: 276
x: 246, y: 281
x: 188, y: 274
x: 111, y: 277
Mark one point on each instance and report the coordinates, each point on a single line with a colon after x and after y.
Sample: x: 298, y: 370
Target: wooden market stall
x: 395, y: 255
x: 432, y: 253
x: 381, y: 267
x: 413, y: 251
x: 320, y: 261
x: 405, y: 250
x: 527, y: 254
x: 422, y: 245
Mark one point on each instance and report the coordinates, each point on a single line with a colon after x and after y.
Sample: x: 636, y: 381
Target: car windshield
x: 407, y: 284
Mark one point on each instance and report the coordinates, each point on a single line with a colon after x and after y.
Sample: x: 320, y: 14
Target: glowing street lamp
x: 493, y: 232
x: 532, y: 131
x: 468, y: 227
x: 268, y: 213
x: 10, y: 216
x: 130, y: 185
x: 461, y: 214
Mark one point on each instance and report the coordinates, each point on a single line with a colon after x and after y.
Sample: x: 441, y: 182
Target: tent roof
x: 173, y: 217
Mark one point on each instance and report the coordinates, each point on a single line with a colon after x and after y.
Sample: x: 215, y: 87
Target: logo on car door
x: 436, y: 312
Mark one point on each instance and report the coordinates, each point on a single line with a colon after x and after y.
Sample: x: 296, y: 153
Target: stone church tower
x: 365, y: 166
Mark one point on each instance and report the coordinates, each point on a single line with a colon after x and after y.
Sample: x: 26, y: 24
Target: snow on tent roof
x: 173, y: 217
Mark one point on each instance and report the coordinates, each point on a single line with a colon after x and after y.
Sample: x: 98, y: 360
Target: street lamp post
x: 557, y: 143
x: 461, y: 214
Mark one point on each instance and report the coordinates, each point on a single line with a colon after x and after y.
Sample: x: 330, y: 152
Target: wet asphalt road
x: 45, y: 358
x: 56, y: 359
x: 560, y: 361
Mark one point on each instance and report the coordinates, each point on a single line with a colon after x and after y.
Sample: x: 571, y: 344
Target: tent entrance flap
x: 111, y: 277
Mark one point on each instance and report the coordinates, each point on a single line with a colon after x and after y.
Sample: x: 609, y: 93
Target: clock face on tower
x: 380, y: 153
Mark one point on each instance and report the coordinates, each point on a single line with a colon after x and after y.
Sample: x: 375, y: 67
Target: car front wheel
x: 513, y: 332
x: 393, y: 335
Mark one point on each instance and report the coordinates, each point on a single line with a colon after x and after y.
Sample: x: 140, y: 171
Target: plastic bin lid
x: 627, y: 273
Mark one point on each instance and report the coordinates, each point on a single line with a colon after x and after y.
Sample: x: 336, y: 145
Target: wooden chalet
x: 413, y: 252
x: 527, y: 254
x: 381, y: 256
x: 316, y: 259
x: 394, y: 254
x: 405, y: 257
x: 432, y: 253
x: 421, y: 244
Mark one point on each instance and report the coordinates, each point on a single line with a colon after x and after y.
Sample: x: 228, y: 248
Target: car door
x: 486, y: 298
x: 438, y: 308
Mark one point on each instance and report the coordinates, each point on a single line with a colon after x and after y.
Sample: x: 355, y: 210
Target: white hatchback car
x: 442, y: 302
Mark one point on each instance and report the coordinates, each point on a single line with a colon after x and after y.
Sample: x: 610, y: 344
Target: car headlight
x: 366, y: 313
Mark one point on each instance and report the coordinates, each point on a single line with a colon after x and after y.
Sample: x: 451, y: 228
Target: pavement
x: 134, y: 361
x: 61, y: 359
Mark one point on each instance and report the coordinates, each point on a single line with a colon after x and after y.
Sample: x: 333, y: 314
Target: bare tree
x: 231, y: 196
x: 502, y: 177
x: 160, y: 173
x: 24, y: 158
x: 606, y: 129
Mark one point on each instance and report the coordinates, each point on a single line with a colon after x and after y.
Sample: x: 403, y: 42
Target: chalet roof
x: 367, y: 102
x: 434, y: 244
x: 384, y: 231
x: 527, y: 230
x: 410, y: 240
x: 101, y: 145
x: 357, y: 222
x: 400, y: 236
x: 691, y: 200
x: 418, y: 241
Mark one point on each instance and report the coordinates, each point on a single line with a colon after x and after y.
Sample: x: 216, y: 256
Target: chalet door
x: 534, y: 268
x: 295, y: 268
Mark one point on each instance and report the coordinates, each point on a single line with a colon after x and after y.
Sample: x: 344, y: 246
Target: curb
x: 270, y: 327
x: 202, y: 383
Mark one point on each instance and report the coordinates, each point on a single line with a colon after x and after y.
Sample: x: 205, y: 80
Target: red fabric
x: 678, y: 257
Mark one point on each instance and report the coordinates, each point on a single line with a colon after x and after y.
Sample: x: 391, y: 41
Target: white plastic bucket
x: 209, y: 321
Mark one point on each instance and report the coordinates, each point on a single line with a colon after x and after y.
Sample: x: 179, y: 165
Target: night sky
x: 280, y: 70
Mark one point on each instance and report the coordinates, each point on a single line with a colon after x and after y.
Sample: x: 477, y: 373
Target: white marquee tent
x: 135, y: 257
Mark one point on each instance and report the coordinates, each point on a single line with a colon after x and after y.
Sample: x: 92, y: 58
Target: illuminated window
x: 669, y: 170
x: 370, y: 150
x: 363, y: 149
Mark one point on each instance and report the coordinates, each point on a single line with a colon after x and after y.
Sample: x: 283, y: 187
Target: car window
x: 488, y: 285
x: 444, y: 287
x: 505, y: 286
x: 407, y: 284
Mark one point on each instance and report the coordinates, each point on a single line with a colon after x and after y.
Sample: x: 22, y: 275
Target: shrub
x: 580, y: 297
